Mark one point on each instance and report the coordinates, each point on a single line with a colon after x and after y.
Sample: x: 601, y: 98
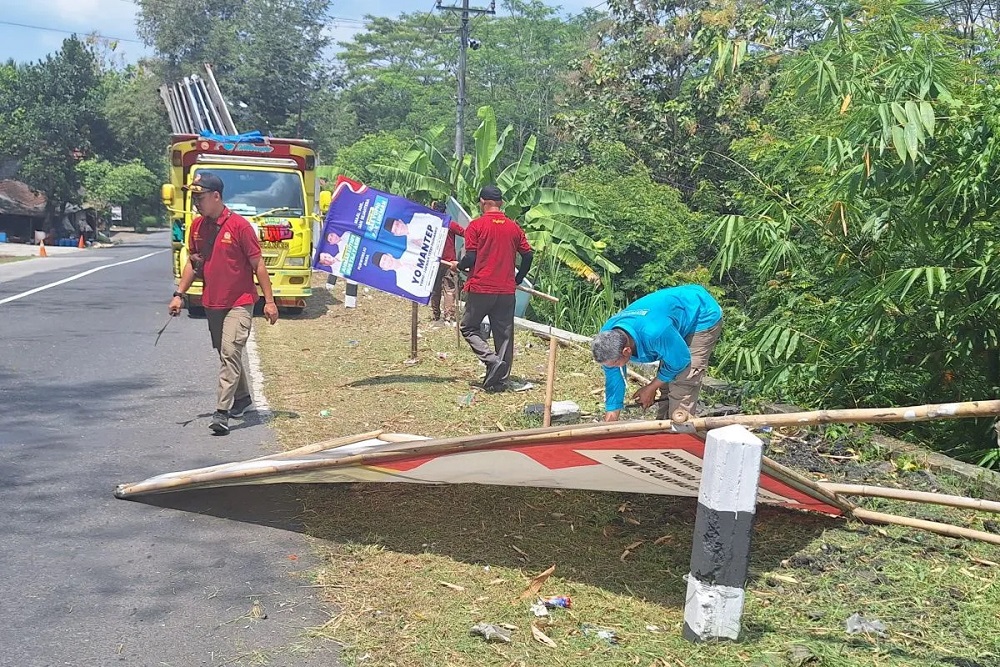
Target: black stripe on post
x: 720, y: 555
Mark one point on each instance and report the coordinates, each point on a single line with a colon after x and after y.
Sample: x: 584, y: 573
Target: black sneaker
x: 220, y: 423
x: 495, y: 375
x: 240, y: 406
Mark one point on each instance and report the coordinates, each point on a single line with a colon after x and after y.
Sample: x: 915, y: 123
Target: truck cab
x: 271, y: 183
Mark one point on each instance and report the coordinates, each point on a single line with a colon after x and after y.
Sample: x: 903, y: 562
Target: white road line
x: 257, y: 376
x: 77, y: 276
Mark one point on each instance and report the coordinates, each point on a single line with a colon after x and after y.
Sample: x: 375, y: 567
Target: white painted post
x: 720, y: 555
x: 351, y: 295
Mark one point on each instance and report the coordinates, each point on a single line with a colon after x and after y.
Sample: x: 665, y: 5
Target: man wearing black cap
x: 492, y: 243
x: 224, y: 251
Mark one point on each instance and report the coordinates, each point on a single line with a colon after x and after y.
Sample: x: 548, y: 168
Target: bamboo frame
x: 408, y: 449
x: 868, y: 516
x: 861, y: 415
x: 963, y: 502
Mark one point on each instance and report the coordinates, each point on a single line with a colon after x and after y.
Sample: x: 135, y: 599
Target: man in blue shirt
x: 677, y: 327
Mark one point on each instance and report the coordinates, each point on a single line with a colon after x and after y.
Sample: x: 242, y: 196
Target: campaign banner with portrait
x: 381, y: 240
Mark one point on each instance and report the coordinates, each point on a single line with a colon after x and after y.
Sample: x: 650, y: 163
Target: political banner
x: 381, y: 240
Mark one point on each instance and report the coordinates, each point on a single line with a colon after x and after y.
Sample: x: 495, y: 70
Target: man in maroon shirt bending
x: 446, y: 283
x: 492, y: 243
x: 224, y: 251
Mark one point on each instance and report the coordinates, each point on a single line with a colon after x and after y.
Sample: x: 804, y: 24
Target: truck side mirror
x: 325, y: 198
x: 167, y: 194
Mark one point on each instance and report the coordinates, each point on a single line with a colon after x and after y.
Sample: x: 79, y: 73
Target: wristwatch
x: 180, y: 294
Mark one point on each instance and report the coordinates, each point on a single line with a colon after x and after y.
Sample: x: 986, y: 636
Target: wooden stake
x: 914, y: 496
x: 550, y: 379
x: 867, y: 516
x: 414, y: 314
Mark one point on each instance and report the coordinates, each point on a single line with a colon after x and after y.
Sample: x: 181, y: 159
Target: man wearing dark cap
x: 492, y: 243
x: 224, y: 252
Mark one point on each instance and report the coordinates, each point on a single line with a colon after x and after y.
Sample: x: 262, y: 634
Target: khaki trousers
x: 682, y: 393
x: 230, y: 329
x: 445, y: 285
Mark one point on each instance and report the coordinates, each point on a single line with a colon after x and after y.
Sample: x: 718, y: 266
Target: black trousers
x: 500, y: 309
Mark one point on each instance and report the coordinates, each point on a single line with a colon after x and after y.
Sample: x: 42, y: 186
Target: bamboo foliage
x: 546, y: 213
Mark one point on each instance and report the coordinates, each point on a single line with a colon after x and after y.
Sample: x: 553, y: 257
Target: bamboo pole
x: 867, y: 516
x: 320, y: 446
x: 862, y: 415
x: 540, y: 295
x: 915, y: 496
x: 550, y: 379
x: 803, y: 484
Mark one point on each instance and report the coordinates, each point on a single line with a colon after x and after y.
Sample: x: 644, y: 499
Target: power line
x: 68, y: 32
x: 337, y: 19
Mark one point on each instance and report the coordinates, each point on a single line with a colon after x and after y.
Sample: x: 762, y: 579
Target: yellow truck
x: 272, y: 183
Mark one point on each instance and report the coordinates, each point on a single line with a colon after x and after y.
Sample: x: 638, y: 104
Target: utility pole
x: 463, y: 46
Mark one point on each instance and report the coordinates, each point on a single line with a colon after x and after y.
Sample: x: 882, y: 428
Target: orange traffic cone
x: 41, y: 249
x: 81, y: 244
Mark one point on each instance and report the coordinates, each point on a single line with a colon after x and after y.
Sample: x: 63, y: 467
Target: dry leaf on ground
x: 536, y: 584
x: 541, y: 637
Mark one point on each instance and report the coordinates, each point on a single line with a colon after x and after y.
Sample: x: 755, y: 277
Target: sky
x: 31, y: 29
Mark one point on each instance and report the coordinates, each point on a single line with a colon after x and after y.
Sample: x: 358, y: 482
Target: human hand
x: 176, y: 304
x: 646, y: 396
x: 270, y: 312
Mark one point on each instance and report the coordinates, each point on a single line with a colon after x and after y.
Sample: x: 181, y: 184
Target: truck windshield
x: 251, y: 192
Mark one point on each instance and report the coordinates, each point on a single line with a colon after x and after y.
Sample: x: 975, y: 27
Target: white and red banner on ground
x: 664, y: 463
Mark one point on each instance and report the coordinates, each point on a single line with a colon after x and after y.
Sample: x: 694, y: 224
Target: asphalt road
x: 87, y: 402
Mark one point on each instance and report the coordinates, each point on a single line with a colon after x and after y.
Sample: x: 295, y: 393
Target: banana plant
x: 545, y: 213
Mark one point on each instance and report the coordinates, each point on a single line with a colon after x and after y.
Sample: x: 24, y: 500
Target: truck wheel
x: 196, y: 311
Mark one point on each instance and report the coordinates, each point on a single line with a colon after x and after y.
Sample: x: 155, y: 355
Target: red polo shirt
x: 229, y: 271
x: 496, y: 240
x: 454, y: 229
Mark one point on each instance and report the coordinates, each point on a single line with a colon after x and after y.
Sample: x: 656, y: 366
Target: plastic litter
x: 602, y: 633
x: 539, y: 609
x: 491, y: 633
x: 324, y: 413
x: 858, y: 624
x: 557, y: 601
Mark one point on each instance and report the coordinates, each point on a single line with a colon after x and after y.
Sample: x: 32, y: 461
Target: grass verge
x: 10, y: 259
x: 412, y: 568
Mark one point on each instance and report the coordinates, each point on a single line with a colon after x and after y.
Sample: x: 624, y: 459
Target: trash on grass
x: 491, y: 633
x: 858, y: 624
x: 602, y: 633
x: 324, y: 413
x: 557, y: 601
x: 539, y: 610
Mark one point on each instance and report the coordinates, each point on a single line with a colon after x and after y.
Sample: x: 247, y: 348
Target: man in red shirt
x: 492, y: 243
x: 224, y: 251
x: 446, y: 283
